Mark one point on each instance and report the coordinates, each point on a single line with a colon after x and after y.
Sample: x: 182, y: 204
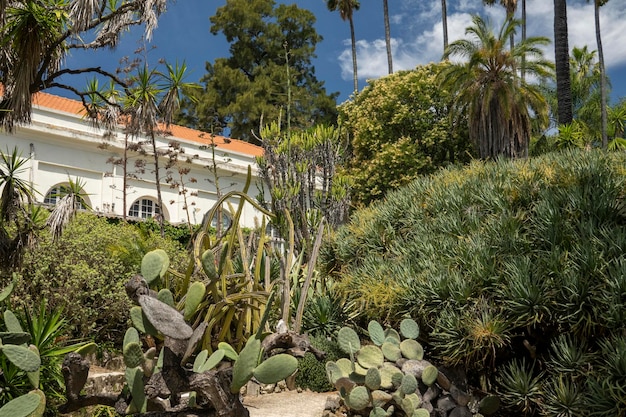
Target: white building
x: 62, y: 144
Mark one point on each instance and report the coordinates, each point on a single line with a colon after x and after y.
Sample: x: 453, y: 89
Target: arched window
x: 58, y: 192
x: 143, y: 208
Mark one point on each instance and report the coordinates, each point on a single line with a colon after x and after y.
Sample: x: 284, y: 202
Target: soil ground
x: 287, y: 404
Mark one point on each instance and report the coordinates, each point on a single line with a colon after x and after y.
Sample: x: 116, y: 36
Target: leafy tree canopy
x: 400, y: 129
x: 269, y: 75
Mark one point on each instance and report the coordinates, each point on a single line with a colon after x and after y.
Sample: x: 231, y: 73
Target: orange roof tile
x: 76, y: 107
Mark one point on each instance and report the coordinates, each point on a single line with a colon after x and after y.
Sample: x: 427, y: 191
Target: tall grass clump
x: 515, y: 270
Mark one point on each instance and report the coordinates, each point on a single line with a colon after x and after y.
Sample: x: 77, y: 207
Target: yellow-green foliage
x: 496, y: 257
x: 400, y: 130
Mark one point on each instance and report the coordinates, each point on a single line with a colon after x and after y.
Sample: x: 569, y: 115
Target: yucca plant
x: 563, y: 397
x: 519, y: 386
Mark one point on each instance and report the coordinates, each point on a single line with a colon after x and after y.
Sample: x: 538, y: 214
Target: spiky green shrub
x: 497, y: 260
x: 311, y: 372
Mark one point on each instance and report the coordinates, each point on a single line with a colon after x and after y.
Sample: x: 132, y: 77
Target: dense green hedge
x: 515, y: 270
x: 84, y: 273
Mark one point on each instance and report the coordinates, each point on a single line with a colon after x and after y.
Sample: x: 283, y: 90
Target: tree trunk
x: 603, y: 92
x: 561, y: 57
x: 388, y: 35
x: 444, y: 21
x: 158, y: 185
x: 523, y: 70
x: 354, y: 66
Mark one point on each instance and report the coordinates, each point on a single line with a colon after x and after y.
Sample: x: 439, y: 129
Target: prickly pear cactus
x: 389, y: 376
x: 13, y: 347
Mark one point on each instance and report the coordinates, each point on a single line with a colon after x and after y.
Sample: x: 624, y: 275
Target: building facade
x: 195, y: 167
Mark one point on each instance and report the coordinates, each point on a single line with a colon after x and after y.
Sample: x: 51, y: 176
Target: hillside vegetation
x: 515, y: 270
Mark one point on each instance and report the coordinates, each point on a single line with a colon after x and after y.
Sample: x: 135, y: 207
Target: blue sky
x: 183, y: 35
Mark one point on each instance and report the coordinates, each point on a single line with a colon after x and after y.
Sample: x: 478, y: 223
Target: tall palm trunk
x: 444, y: 21
x: 603, y: 92
x: 523, y: 69
x: 354, y: 66
x: 158, y: 185
x: 561, y: 57
x: 388, y: 35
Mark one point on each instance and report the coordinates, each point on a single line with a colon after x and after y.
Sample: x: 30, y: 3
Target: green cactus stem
x: 345, y: 365
x: 370, y: 356
x: 372, y: 379
x: 134, y: 379
x: 333, y: 372
x: 376, y: 332
x: 6, y: 291
x: 378, y: 412
x: 229, y: 351
x: 348, y: 340
x: 195, y: 295
x: 131, y: 336
x: 380, y: 398
x: 154, y: 264
x: 165, y: 295
x: 200, y: 360
x: 14, y: 338
x: 358, y: 398
x: 133, y: 355
x: 409, y: 329
x: 33, y: 376
x: 208, y: 264
x: 421, y: 412
x: 489, y: 405
x: 408, y: 384
x: 275, y: 368
x: 12, y: 323
x: 391, y: 335
x: 22, y: 357
x: 212, y: 361
x: 429, y: 375
x: 141, y: 322
x: 412, y: 349
x: 24, y: 405
x: 391, y: 351
x: 243, y: 368
x: 410, y: 403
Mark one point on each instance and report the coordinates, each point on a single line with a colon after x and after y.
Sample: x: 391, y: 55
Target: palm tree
x: 603, y: 87
x: 444, y: 22
x: 388, y: 35
x: 488, y: 88
x: 151, y: 102
x: 510, y: 6
x: 561, y: 59
x: 346, y: 10
x: 523, y: 71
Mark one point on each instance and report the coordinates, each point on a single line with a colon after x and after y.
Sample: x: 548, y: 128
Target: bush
x: 84, y: 272
x: 496, y: 261
x: 311, y: 372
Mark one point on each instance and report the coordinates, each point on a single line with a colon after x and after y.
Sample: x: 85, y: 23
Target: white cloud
x: 422, y: 35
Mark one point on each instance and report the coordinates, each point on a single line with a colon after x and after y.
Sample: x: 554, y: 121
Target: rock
x: 461, y: 397
x: 415, y: 367
x: 445, y: 403
x: 333, y: 402
x: 431, y: 393
x: 253, y: 389
x: 461, y: 412
x: 443, y: 381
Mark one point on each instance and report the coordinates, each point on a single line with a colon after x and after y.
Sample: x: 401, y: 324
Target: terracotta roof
x: 76, y: 107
